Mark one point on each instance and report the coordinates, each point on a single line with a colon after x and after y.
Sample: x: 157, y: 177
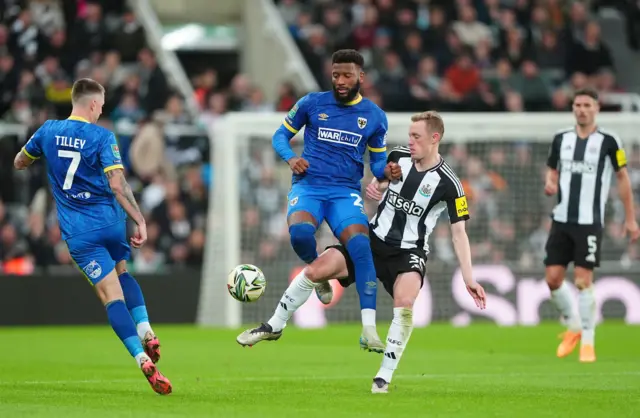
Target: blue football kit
x: 336, y: 138
x: 92, y: 222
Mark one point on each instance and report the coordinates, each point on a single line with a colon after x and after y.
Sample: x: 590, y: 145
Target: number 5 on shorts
x: 592, y: 248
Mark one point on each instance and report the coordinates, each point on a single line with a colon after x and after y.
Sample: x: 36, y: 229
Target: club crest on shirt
x: 362, y: 122
x: 93, y: 270
x: 425, y: 190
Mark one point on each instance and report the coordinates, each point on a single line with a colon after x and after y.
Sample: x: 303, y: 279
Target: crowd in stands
x: 44, y: 46
x: 450, y: 55
x: 461, y: 55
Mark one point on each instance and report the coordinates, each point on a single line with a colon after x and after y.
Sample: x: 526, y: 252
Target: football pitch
x: 479, y: 371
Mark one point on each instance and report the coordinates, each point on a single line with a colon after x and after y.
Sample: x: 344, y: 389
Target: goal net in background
x: 500, y: 159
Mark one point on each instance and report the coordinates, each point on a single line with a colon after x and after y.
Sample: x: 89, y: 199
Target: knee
x: 403, y: 302
x: 313, y: 273
x: 301, y: 232
x: 582, y: 281
x: 554, y: 279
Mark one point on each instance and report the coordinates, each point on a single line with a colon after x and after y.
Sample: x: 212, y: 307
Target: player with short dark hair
x: 92, y: 195
x: 580, y: 164
x: 406, y: 216
x: 340, y: 125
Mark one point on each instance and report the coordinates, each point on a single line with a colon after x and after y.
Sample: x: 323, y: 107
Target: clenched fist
x: 298, y: 165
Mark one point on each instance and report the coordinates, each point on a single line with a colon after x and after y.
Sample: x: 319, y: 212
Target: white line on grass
x: 324, y: 378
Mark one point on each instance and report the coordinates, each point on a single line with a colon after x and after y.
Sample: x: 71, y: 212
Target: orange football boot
x: 587, y: 354
x: 569, y: 341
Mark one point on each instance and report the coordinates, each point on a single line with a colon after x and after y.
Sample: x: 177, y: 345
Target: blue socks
x: 135, y: 303
x: 359, y: 250
x: 303, y: 241
x: 134, y: 298
x: 123, y: 325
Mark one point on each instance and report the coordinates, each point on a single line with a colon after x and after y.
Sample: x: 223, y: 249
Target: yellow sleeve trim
x: 28, y: 155
x: 290, y: 128
x: 383, y: 149
x: 113, y: 167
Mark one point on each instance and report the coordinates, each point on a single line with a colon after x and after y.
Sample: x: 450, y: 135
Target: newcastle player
x: 580, y: 164
x: 399, y: 232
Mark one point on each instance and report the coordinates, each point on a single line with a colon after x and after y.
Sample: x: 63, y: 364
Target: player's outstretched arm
x: 376, y: 188
x: 124, y: 195
x: 463, y: 251
x: 293, y: 122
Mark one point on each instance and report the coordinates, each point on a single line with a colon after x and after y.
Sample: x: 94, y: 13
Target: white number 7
x: 358, y: 201
x: 73, y: 167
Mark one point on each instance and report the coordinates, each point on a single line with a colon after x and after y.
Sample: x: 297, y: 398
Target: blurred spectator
x: 470, y: 30
x: 286, y: 97
x: 591, y: 55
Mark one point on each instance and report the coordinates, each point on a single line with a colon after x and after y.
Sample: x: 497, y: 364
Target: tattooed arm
x: 124, y: 194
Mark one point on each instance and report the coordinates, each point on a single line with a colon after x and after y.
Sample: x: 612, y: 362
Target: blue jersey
x: 336, y: 138
x: 78, y: 153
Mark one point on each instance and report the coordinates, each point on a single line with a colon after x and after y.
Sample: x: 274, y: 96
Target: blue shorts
x: 340, y: 206
x: 96, y: 253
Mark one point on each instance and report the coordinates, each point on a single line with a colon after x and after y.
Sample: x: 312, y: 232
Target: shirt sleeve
x: 456, y: 199
x: 297, y: 116
x: 33, y: 147
x: 110, y: 154
x: 397, y: 153
x: 378, y: 141
x: 615, y: 151
x: 554, y: 152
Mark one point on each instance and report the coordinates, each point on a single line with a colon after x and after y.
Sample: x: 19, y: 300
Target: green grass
x: 480, y: 371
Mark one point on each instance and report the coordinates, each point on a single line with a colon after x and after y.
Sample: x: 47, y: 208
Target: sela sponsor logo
x: 407, y: 206
x: 339, y: 137
x: 578, y: 167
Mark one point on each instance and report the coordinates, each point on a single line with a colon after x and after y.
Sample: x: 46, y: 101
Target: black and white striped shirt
x: 585, y: 166
x: 411, y: 206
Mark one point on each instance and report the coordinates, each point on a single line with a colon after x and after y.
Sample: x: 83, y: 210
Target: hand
x: 139, y: 236
x: 373, y: 192
x: 393, y: 171
x: 477, y: 293
x: 298, y: 165
x: 550, y: 188
x: 631, y: 227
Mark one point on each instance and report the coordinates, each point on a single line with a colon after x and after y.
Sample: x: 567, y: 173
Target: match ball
x: 246, y: 283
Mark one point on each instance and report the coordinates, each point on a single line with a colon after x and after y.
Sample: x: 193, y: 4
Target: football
x: 246, y: 283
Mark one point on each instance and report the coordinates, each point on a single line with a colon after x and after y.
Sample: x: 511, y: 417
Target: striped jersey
x: 585, y: 166
x: 411, y: 206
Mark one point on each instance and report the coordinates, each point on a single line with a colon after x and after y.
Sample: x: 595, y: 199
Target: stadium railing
x: 234, y: 236
x: 167, y: 59
x: 270, y: 54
